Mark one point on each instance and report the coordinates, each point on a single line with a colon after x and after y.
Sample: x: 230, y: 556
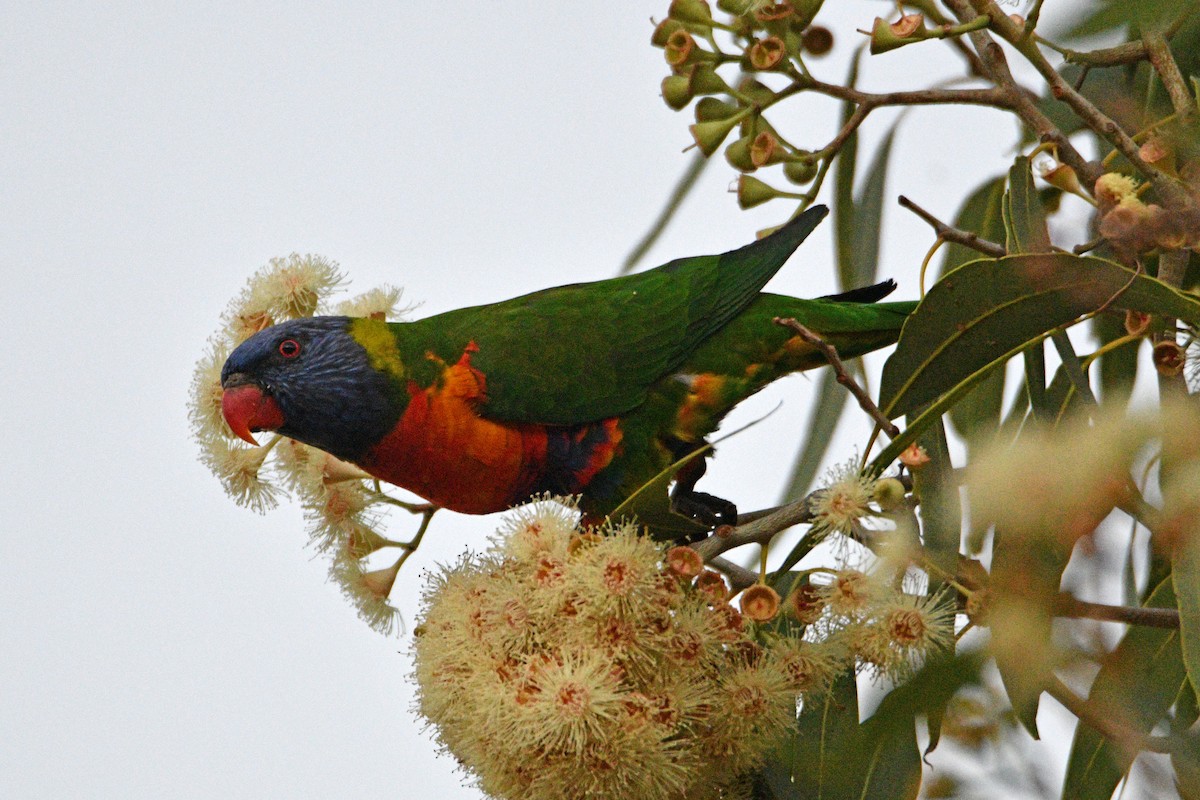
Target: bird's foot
x: 705, y: 508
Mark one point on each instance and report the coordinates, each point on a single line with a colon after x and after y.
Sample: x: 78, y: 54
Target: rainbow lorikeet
x: 590, y: 389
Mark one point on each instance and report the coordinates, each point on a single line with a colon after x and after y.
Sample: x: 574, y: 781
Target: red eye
x: 289, y: 348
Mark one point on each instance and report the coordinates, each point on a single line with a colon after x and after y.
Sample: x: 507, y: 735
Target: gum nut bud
x: 738, y: 154
x: 884, y: 36
x: 756, y: 91
x: 765, y: 150
x: 684, y: 562
x: 694, y: 12
x: 1137, y: 322
x: 676, y: 92
x: 710, y: 108
x: 679, y: 48
x: 735, y: 7
x: 760, y: 603
x: 703, y: 79
x: 889, y: 494
x: 663, y: 31
x: 767, y: 54
x: 1063, y: 177
x: 817, y: 40
x: 1169, y: 359
x: 800, y: 171
x: 752, y: 192
x: 1017, y: 20
x: 709, y: 135
x: 914, y: 456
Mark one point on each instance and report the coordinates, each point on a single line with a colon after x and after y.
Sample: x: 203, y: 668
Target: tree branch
x: 955, y: 235
x: 843, y: 376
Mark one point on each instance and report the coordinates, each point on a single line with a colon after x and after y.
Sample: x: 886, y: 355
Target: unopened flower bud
x: 738, y: 154
x: 914, y: 457
x: 663, y: 31
x: 767, y: 54
x: 752, y: 192
x: 1017, y: 20
x: 800, y: 170
x: 1169, y: 358
x: 703, y: 79
x: 1061, y: 176
x: 710, y: 109
x: 694, y: 12
x: 760, y: 603
x: 676, y: 91
x: 736, y: 7
x: 708, y: 135
x: 889, y: 494
x: 817, y: 40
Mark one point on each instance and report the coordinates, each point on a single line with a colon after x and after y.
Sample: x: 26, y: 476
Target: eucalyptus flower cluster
x: 343, y: 506
x: 572, y: 662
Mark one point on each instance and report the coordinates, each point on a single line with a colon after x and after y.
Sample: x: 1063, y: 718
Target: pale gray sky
x: 159, y: 641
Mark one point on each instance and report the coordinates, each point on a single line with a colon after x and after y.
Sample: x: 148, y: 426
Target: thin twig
x: 955, y: 235
x: 1106, y: 723
x: 1068, y: 605
x: 760, y: 531
x: 739, y: 577
x: 843, y: 376
x: 1168, y: 71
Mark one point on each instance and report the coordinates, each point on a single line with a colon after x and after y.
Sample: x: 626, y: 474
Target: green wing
x: 592, y: 350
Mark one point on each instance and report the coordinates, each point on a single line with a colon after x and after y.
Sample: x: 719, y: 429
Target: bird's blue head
x: 310, y: 380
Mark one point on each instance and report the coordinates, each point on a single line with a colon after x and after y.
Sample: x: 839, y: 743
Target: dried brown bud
x: 1169, y: 359
x: 713, y: 586
x: 817, y: 40
x: 684, y: 562
x: 1136, y: 322
x: 760, y: 603
x: 1154, y: 150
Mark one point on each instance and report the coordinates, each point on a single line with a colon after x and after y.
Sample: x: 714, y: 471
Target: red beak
x: 247, y: 408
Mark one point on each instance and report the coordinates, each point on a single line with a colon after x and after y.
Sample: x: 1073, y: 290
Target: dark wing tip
x: 864, y: 294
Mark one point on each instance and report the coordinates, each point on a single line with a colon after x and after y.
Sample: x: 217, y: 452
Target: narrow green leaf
x: 814, y: 757
x: 1136, y: 685
x: 1024, y: 214
x: 977, y: 415
x: 1035, y: 381
x: 941, y: 508
x: 1073, y: 367
x: 845, y: 218
x: 988, y: 309
x: 868, y: 215
x: 1185, y: 573
x: 1118, y: 368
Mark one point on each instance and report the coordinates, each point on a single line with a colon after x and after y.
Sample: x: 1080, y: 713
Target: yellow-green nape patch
x: 377, y: 339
